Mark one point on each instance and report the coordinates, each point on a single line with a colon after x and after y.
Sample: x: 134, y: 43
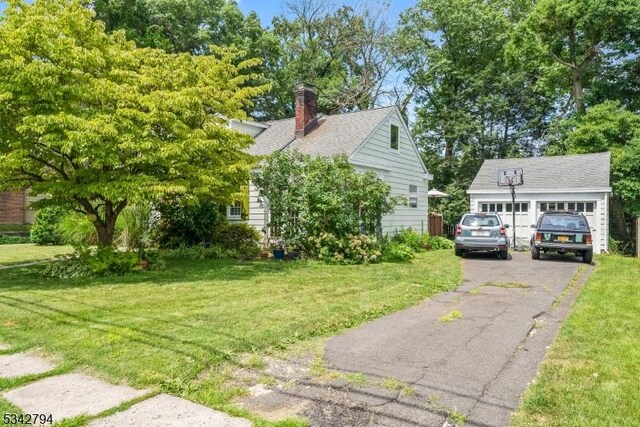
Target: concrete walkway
x: 71, y: 395
x: 22, y: 364
x: 477, y: 365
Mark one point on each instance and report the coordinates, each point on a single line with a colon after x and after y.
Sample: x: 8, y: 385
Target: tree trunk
x: 618, y: 224
x: 105, y: 230
x: 576, y: 75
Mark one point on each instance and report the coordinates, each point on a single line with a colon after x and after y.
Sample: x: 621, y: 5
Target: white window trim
x: 234, y: 216
x: 414, y: 195
x: 394, y: 150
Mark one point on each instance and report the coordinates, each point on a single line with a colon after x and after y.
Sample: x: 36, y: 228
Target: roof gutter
x: 540, y: 191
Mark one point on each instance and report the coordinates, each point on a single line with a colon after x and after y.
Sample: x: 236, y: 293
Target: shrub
x: 13, y: 240
x: 104, y: 261
x: 435, y: 243
x: 186, y: 222
x: 621, y: 247
x: 154, y: 258
x: 352, y: 249
x: 309, y: 196
x: 200, y: 252
x: 411, y: 239
x: 45, y: 229
x: 397, y: 252
x: 240, y: 238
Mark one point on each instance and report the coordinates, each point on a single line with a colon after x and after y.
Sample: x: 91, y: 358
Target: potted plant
x: 277, y: 248
x: 143, y: 258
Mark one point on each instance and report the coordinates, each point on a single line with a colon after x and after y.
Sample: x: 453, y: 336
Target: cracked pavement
x: 476, y: 366
x: 470, y: 370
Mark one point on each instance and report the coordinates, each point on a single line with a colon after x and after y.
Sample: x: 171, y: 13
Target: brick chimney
x: 306, y: 109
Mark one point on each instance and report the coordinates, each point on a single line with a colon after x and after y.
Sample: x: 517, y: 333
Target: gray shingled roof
x: 579, y: 171
x: 336, y: 134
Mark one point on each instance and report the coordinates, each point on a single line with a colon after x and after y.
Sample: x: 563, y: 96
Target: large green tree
x: 572, y: 43
x: 179, y: 25
x: 191, y: 26
x: 470, y: 104
x: 96, y: 123
x: 609, y: 127
x: 342, y: 51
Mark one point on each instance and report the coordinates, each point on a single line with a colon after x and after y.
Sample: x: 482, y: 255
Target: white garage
x: 575, y: 183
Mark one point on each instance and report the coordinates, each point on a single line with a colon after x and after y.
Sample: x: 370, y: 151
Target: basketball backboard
x: 510, y: 177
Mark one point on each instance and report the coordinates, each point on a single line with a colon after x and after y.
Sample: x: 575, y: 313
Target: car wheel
x: 504, y: 254
x: 535, y: 252
x: 459, y: 252
x: 587, y: 257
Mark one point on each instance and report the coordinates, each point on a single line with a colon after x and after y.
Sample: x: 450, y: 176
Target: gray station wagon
x: 481, y: 232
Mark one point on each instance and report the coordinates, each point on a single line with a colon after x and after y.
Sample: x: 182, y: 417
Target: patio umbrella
x: 437, y: 194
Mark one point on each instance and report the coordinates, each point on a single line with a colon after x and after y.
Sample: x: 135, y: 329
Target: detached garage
x: 575, y: 183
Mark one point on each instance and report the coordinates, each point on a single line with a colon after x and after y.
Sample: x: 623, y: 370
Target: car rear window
x: 481, y: 220
x: 564, y: 222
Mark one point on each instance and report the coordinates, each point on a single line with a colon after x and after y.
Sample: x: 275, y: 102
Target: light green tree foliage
x: 610, y: 127
x: 571, y: 42
x: 97, y: 123
x: 310, y: 196
x: 342, y: 51
x: 191, y: 26
x: 471, y: 105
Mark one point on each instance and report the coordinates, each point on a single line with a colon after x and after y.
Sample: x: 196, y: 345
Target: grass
x: 590, y: 375
x: 17, y: 254
x: 454, y: 315
x: 176, y: 330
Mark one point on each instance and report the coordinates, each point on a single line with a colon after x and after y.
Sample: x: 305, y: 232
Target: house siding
x: 598, y: 219
x: 399, y: 169
x: 258, y: 218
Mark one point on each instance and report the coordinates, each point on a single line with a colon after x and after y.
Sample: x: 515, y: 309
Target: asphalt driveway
x: 471, y: 368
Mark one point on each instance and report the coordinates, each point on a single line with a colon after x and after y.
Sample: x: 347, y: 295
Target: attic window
x: 393, y: 140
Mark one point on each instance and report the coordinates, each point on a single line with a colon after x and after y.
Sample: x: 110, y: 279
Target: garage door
x: 506, y: 210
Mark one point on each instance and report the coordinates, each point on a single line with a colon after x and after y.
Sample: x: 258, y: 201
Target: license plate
x: 479, y: 233
x: 563, y: 238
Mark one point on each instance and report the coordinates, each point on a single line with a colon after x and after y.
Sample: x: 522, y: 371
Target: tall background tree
x: 96, y: 123
x: 575, y: 44
x: 343, y: 51
x: 470, y: 104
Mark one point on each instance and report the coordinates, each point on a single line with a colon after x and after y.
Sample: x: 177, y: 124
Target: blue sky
x: 267, y: 9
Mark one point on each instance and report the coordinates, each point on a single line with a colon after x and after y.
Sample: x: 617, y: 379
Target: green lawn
x: 591, y: 376
x: 174, y: 330
x: 16, y: 254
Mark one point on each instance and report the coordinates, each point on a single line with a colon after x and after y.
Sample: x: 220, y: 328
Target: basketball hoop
x: 512, y: 178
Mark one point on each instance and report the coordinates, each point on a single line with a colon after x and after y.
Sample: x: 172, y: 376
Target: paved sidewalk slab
x: 169, y: 411
x: 70, y: 395
x: 21, y: 364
